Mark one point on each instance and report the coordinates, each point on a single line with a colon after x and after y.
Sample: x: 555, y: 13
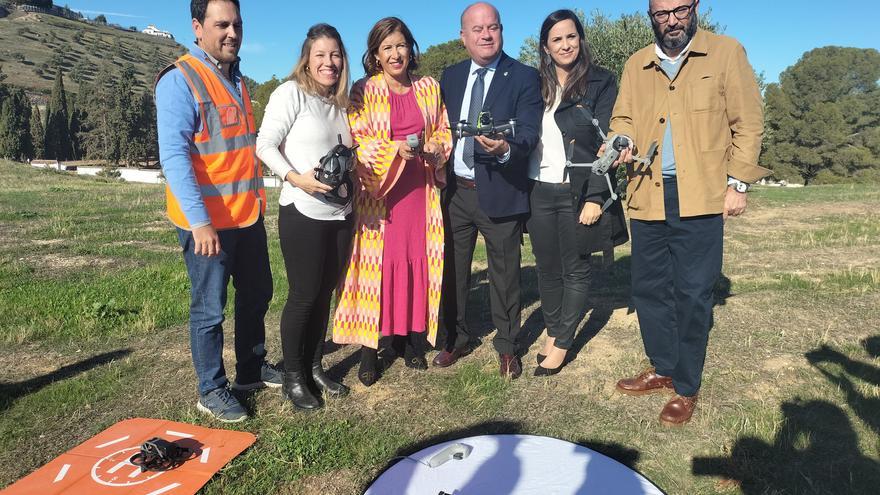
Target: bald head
x: 480, y: 7
x: 481, y: 32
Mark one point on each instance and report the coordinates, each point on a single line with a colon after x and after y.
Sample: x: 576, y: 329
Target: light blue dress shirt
x: 459, y: 167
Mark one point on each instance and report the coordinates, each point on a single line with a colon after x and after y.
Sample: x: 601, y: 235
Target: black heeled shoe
x: 295, y: 389
x: 327, y: 384
x: 542, y: 371
x: 540, y: 358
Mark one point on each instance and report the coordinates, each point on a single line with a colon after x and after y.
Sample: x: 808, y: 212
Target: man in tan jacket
x: 695, y: 94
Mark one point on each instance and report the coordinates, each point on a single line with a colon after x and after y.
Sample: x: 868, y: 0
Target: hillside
x: 31, y: 45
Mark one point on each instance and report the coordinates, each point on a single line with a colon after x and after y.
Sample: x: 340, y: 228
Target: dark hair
x: 576, y: 84
x: 198, y: 8
x: 301, y: 74
x: 381, y: 30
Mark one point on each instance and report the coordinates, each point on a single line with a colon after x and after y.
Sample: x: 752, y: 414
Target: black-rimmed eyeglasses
x: 680, y: 13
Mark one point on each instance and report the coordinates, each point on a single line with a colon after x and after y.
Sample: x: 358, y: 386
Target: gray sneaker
x: 222, y: 406
x: 270, y: 376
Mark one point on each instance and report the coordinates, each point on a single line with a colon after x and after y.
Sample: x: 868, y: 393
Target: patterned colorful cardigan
x: 356, y: 320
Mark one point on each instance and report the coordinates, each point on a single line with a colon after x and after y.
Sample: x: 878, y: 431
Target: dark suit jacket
x: 515, y: 91
x: 601, y: 94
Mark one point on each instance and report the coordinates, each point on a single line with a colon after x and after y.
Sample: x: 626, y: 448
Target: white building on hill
x: 154, y: 31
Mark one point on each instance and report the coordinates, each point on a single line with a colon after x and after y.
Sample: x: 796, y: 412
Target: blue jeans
x: 244, y: 257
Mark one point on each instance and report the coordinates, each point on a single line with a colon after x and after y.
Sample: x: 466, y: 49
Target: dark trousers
x: 244, y: 257
x: 315, y: 253
x: 563, y: 273
x: 503, y: 237
x: 675, y: 266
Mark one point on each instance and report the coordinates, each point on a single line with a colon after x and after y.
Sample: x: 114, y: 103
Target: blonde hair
x: 300, y: 74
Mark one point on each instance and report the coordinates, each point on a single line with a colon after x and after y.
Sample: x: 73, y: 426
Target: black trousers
x: 503, y: 237
x: 675, y: 266
x: 563, y: 273
x: 315, y: 253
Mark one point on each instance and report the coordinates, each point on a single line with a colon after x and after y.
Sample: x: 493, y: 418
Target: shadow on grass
x: 817, y: 448
x: 506, y: 460
x: 9, y: 392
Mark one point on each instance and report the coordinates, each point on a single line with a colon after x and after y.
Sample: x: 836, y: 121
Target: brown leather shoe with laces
x: 678, y: 411
x: 647, y: 382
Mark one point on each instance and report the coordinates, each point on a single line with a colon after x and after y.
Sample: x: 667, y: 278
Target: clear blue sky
x: 775, y: 32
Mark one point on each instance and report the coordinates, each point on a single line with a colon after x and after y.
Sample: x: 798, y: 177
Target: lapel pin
x: 505, y: 74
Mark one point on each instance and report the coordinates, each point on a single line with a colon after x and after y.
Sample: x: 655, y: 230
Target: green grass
x: 476, y: 388
x: 94, y: 301
x: 816, y: 194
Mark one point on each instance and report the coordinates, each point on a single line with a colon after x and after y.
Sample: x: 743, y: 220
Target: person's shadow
x: 816, y: 451
x: 9, y: 392
x: 817, y: 448
x: 867, y: 408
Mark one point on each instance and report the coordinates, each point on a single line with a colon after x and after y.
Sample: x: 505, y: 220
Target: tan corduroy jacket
x: 715, y: 108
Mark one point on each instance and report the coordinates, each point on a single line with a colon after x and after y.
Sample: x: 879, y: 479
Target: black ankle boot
x: 368, y: 372
x: 414, y: 354
x: 295, y: 389
x: 326, y: 383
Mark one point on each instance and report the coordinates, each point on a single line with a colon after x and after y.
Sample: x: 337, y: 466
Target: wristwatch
x: 738, y: 185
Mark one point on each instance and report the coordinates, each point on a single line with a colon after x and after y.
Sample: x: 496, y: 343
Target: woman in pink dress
x: 401, y: 127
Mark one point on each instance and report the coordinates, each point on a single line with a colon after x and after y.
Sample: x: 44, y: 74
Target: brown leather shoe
x: 647, y: 382
x: 510, y: 366
x: 678, y: 411
x: 448, y: 358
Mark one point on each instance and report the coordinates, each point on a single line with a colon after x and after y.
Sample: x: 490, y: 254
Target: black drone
x: 486, y: 126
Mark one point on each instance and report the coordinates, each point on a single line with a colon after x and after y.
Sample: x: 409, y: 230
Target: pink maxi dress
x: 404, y: 259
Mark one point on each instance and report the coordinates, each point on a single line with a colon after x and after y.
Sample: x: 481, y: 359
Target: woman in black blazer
x: 567, y: 223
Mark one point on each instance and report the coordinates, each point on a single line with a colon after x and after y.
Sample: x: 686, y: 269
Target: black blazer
x: 610, y: 230
x: 515, y: 91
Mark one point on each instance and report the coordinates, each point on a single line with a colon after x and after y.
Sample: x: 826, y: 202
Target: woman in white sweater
x: 303, y: 121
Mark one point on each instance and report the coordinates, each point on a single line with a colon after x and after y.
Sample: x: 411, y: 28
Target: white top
x: 297, y: 130
x: 459, y: 167
x: 547, y: 161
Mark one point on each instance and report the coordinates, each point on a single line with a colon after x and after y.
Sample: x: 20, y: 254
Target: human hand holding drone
x: 615, y: 149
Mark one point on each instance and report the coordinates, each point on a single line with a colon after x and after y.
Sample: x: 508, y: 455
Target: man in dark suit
x: 488, y: 187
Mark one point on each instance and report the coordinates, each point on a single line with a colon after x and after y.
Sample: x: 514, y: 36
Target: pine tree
x: 57, y: 143
x: 38, y: 132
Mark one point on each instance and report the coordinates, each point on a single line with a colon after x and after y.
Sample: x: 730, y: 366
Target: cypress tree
x: 75, y: 126
x: 15, y: 115
x: 38, y: 132
x: 57, y: 142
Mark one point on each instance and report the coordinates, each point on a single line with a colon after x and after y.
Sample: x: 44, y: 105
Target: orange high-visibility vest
x: 224, y: 153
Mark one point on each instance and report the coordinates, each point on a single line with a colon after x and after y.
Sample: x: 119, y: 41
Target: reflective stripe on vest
x: 223, y: 153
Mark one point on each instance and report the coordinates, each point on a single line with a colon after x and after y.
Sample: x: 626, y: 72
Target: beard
x: 679, y: 42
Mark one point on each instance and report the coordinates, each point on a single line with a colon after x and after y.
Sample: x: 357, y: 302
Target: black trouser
x: 464, y: 219
x: 315, y: 253
x: 675, y: 265
x: 563, y: 273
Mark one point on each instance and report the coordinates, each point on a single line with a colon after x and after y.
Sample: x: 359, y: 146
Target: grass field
x: 93, y: 298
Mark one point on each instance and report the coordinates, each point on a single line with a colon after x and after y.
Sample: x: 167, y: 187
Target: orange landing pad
x: 100, y: 466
